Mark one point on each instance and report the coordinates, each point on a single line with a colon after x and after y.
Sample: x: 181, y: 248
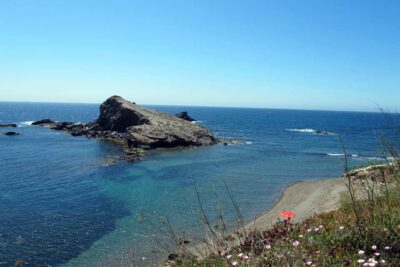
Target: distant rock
x: 136, y: 129
x: 321, y: 132
x: 44, y: 122
x: 184, y: 116
x: 8, y: 125
x: 11, y: 133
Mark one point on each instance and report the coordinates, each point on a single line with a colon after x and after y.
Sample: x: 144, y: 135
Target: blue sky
x: 337, y: 54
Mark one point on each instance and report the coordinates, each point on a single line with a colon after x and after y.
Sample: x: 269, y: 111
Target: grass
x: 328, y: 239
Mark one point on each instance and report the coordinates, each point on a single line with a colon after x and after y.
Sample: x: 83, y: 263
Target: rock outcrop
x: 136, y: 129
x: 8, y: 125
x: 184, y: 116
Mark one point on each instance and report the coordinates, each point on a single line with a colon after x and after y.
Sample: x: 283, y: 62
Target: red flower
x: 287, y: 215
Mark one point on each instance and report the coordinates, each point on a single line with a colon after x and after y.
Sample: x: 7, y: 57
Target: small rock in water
x: 184, y: 116
x: 43, y: 122
x: 8, y: 125
x: 11, y: 133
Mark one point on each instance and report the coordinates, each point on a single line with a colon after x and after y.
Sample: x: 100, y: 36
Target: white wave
x: 248, y: 143
x: 335, y: 154
x: 305, y: 130
x: 25, y: 123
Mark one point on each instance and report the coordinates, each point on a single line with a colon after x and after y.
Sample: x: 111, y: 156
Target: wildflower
x: 321, y: 226
x: 316, y: 229
x: 240, y: 255
x: 235, y: 263
x: 300, y: 236
x: 245, y: 257
x: 341, y: 227
x: 360, y: 261
x: 387, y: 248
x: 308, y: 262
x: 382, y: 261
x: 267, y: 247
x: 222, y: 253
x: 361, y: 252
x: 376, y: 254
x: 373, y: 247
x: 229, y: 256
x: 296, y: 243
x: 287, y: 215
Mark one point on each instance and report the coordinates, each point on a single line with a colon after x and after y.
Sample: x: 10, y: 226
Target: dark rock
x: 320, y: 132
x: 8, y: 125
x: 184, y: 116
x: 173, y: 257
x: 43, y: 122
x: 11, y: 133
x: 61, y: 125
x: 117, y: 114
x: 137, y: 129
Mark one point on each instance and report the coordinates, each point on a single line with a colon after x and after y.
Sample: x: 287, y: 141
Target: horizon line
x: 201, y: 106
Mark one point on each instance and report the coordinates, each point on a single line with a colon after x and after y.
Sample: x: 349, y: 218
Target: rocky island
x: 136, y: 129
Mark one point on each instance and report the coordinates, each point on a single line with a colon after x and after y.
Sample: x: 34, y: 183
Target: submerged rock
x: 184, y: 116
x: 11, y: 125
x: 136, y: 129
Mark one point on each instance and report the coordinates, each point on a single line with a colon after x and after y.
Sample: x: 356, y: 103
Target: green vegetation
x: 362, y: 232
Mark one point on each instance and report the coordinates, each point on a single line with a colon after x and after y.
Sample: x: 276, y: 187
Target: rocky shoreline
x: 137, y: 129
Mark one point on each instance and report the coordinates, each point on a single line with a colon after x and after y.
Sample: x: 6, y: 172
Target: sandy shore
x: 304, y: 199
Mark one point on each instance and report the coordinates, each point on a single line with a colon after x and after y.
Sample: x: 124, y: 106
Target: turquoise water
x: 61, y: 205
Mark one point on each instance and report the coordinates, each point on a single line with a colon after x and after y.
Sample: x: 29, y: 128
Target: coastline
x: 304, y: 198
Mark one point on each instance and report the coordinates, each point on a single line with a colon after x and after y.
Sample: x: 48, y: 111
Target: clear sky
x: 333, y: 54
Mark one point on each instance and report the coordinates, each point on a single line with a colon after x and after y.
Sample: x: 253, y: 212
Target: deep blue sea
x: 60, y: 204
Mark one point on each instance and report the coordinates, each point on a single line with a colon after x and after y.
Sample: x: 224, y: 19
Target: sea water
x: 62, y: 204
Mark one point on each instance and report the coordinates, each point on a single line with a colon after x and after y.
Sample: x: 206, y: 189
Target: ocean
x: 62, y: 205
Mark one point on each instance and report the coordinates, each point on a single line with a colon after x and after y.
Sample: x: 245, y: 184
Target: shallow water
x: 60, y: 204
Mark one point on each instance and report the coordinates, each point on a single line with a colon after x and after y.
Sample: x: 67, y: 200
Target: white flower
x: 267, y: 246
x: 361, y: 252
x: 387, y: 248
x: 376, y: 254
x: 309, y: 230
x: 222, y: 253
x: 245, y: 257
x: 309, y: 262
x: 382, y: 261
x: 321, y: 226
x: 361, y: 261
x: 300, y: 236
x: 316, y: 229
x: 240, y: 255
x: 229, y: 256
x: 296, y: 243
x: 235, y: 263
x: 341, y: 227
x: 366, y: 264
x: 371, y: 264
x: 373, y: 247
